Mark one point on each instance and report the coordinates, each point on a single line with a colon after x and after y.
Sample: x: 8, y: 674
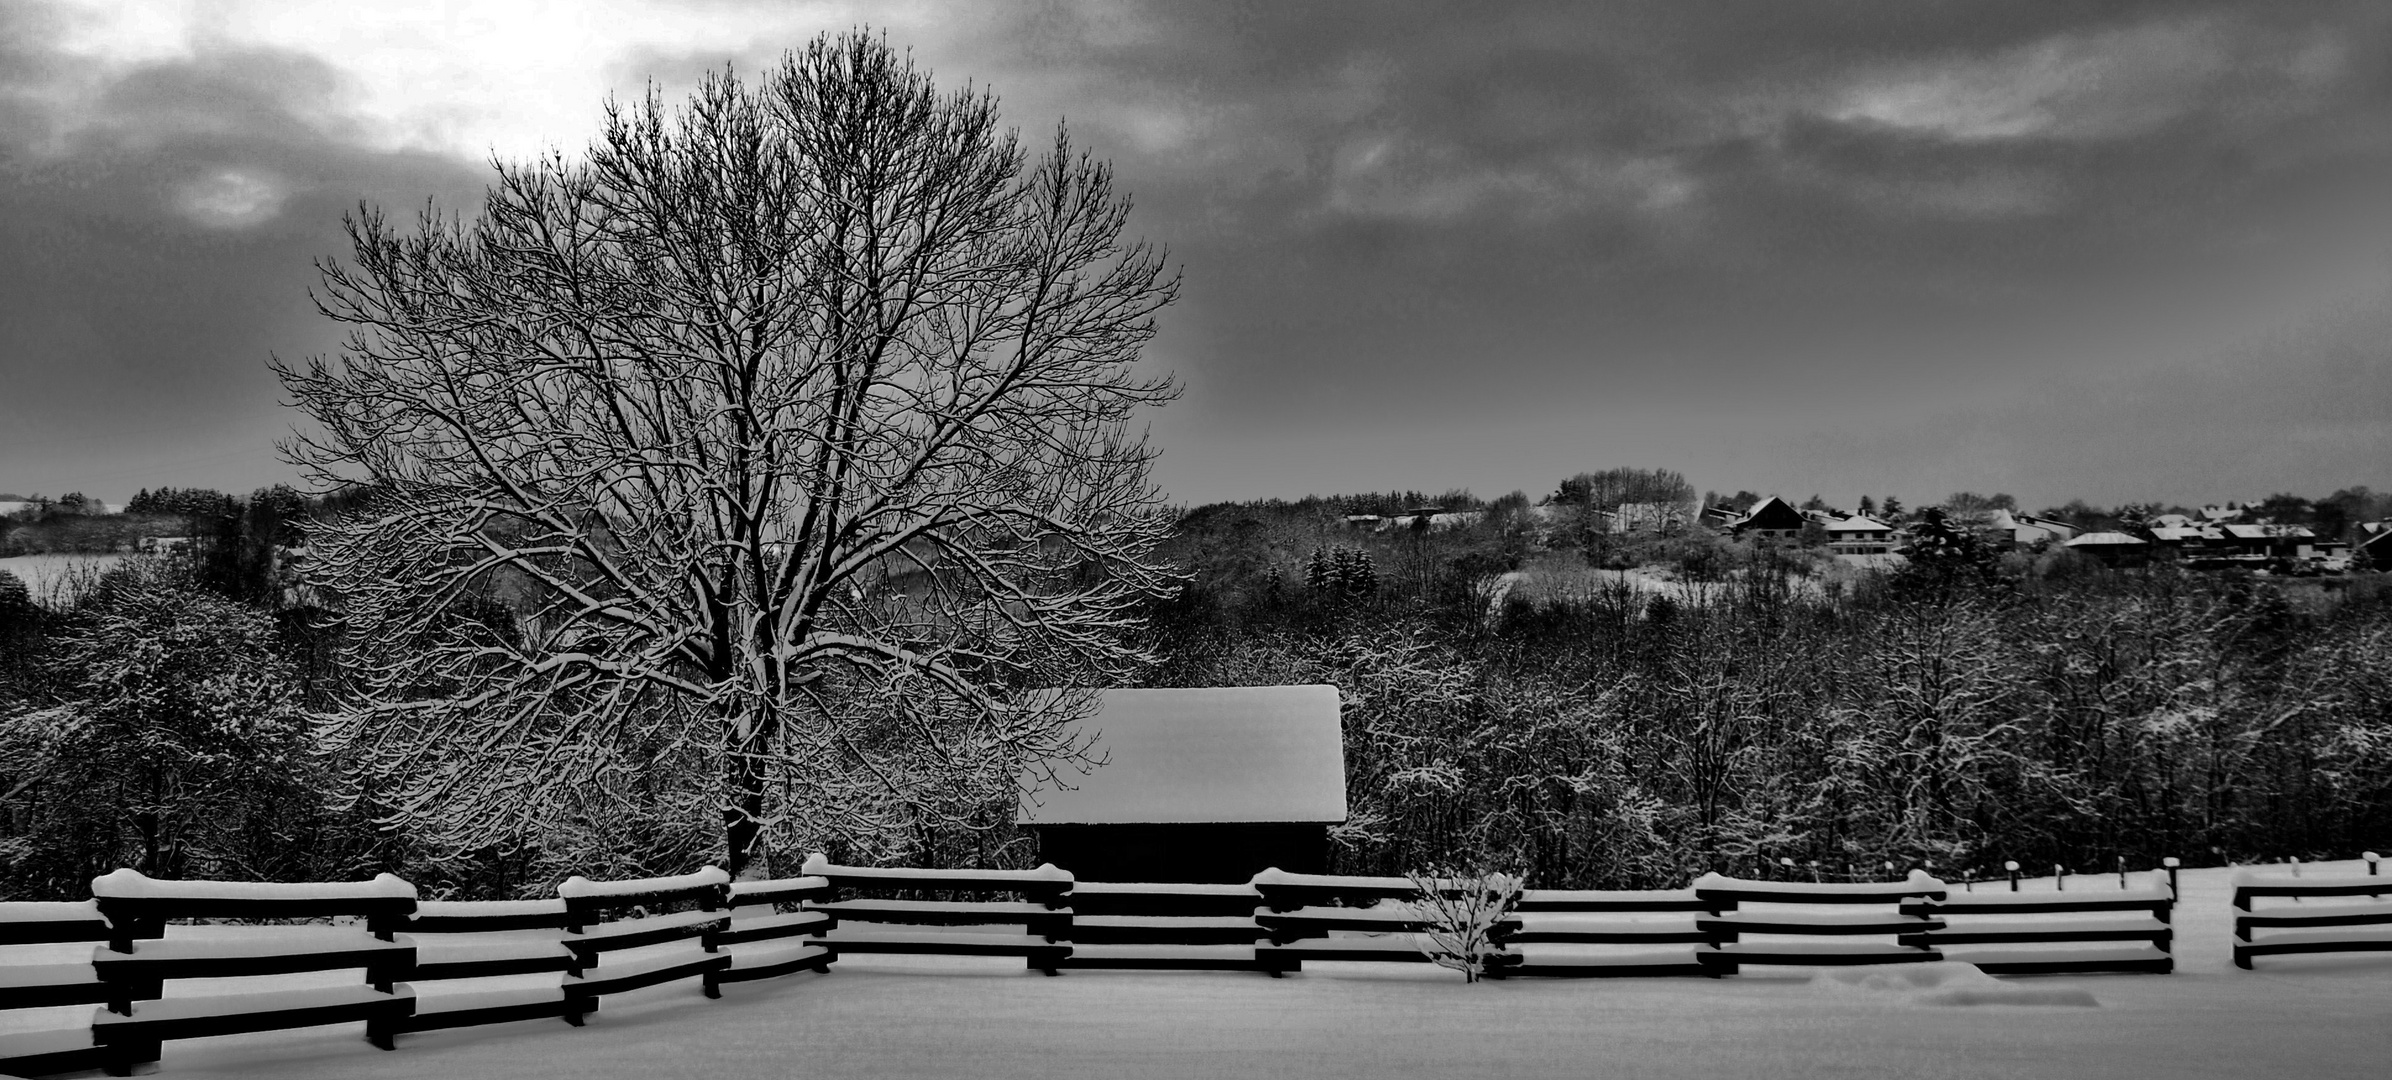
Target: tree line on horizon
x: 1955, y: 714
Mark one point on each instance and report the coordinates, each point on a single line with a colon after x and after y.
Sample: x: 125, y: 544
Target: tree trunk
x: 743, y: 815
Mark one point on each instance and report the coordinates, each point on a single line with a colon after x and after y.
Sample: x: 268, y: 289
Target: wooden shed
x: 1199, y: 785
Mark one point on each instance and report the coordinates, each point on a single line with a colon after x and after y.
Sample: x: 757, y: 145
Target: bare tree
x: 783, y: 437
x: 1460, y: 913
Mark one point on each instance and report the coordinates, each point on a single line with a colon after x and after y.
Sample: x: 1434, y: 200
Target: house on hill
x: 2270, y: 541
x: 2112, y: 548
x: 1199, y: 785
x: 2186, y: 541
x: 1859, y: 535
x: 1771, y: 517
x: 2027, y: 530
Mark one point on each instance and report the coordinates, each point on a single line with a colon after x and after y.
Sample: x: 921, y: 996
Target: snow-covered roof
x: 2267, y: 532
x: 2101, y: 539
x: 1216, y: 754
x: 2173, y: 534
x: 1858, y: 523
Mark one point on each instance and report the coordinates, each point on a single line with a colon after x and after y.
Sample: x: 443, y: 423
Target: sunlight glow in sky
x: 457, y: 76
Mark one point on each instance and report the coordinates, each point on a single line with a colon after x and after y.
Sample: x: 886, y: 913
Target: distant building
x: 1772, y: 518
x: 1200, y: 785
x: 2188, y: 541
x: 2112, y: 548
x: 2027, y: 530
x: 2269, y: 541
x: 1860, y: 535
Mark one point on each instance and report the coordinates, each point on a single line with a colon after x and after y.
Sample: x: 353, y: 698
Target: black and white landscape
x: 1715, y: 536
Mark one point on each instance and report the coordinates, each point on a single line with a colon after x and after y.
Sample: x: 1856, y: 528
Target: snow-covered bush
x: 172, y: 742
x: 1459, y: 913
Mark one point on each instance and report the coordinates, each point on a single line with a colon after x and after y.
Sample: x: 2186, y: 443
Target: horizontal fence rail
x: 2358, y: 920
x: 142, y: 955
x: 2129, y: 929
x: 371, y: 953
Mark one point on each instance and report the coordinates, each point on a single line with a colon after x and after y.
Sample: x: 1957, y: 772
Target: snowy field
x: 53, y: 580
x: 2322, y: 1016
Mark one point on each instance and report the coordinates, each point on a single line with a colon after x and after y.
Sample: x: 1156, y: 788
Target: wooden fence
x: 422, y: 965
x: 2300, y: 927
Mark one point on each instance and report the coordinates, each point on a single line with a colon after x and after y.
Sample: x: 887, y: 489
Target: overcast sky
x: 2063, y: 249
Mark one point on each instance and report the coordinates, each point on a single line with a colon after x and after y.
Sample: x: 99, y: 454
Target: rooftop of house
x: 2266, y: 532
x: 2106, y: 539
x: 1215, y: 754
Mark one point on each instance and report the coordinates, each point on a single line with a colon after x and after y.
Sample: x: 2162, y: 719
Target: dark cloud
x: 1809, y: 246
x: 157, y: 231
x: 1748, y: 218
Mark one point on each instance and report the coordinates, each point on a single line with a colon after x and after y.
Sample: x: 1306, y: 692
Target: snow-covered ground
x: 903, y: 1017
x: 55, y: 580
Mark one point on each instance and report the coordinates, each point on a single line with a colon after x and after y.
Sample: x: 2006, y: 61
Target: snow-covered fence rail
x: 2352, y: 926
x: 1793, y: 910
x: 50, y: 985
x: 772, y: 932
x: 620, y: 939
x: 2130, y: 928
x: 1185, y: 927
x: 1313, y: 917
x: 146, y: 949
x: 1036, y: 927
x: 1582, y: 933
x: 471, y: 959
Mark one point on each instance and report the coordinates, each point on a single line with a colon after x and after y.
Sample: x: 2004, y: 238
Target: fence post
x: 2172, y: 862
x: 2012, y: 867
x: 2371, y: 858
x: 2059, y: 875
x: 2121, y: 871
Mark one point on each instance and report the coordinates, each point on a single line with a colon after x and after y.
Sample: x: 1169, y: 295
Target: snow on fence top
x: 1204, y: 755
x: 819, y: 865
x: 1172, y: 888
x: 486, y: 909
x: 1276, y: 876
x: 29, y: 911
x: 127, y: 883
x: 2267, y: 878
x: 578, y: 887
x: 2149, y: 893
x: 1571, y: 896
x: 1919, y: 881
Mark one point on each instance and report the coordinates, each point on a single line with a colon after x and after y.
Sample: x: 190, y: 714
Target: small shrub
x: 1459, y: 913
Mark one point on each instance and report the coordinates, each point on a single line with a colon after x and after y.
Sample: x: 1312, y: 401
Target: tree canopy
x: 773, y: 458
